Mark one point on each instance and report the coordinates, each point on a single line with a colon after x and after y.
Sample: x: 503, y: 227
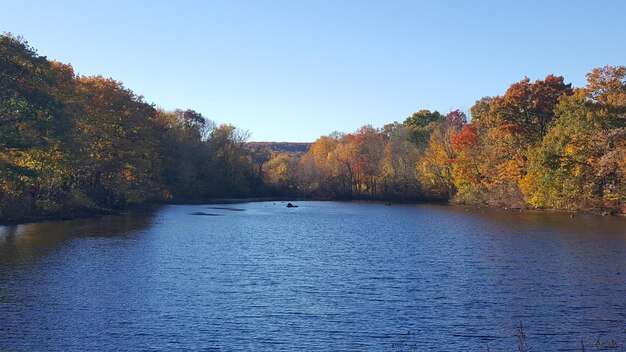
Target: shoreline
x: 136, y: 208
x: 97, y: 213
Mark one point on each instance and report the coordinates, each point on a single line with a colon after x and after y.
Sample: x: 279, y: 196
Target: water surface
x: 323, y: 276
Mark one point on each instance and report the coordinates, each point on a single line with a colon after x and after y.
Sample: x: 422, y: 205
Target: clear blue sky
x: 294, y: 70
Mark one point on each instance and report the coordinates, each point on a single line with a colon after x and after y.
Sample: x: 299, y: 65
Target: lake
x: 324, y: 276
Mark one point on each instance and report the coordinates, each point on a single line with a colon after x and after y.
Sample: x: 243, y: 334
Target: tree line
x: 541, y: 144
x: 72, y: 144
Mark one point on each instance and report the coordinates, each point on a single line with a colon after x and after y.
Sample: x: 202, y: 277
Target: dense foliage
x: 72, y: 144
x: 542, y: 144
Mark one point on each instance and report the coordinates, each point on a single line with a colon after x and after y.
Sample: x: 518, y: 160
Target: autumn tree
x: 370, y: 145
x: 581, y: 162
x: 398, y: 172
x: 321, y: 167
x: 72, y: 143
x: 529, y: 107
x: 117, y: 161
x: 285, y: 175
x: 468, y: 171
x: 505, y: 128
x: 32, y: 127
x: 436, y: 165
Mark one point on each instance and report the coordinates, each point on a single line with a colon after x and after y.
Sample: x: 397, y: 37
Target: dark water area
x: 324, y: 276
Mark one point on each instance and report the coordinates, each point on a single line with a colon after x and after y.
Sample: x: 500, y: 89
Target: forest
x: 73, y: 145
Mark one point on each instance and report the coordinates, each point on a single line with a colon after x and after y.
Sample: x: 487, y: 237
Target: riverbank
x: 95, y: 213
x: 70, y: 215
x: 136, y: 208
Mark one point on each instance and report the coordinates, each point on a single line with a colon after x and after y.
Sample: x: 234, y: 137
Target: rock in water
x: 289, y: 205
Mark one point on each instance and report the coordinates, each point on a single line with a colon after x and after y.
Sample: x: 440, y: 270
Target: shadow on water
x: 201, y: 213
x: 25, y: 242
x: 227, y: 208
x: 503, y: 220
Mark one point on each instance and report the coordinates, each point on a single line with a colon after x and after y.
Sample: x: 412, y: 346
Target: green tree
x: 581, y: 162
x: 32, y: 127
x: 421, y: 124
x: 115, y: 156
x: 231, y: 171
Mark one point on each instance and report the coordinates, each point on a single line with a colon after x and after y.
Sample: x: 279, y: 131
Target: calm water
x: 324, y: 276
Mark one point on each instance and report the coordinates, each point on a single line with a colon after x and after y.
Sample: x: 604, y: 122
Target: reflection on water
x: 323, y: 276
x: 22, y: 243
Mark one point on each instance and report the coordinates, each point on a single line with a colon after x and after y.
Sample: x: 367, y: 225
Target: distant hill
x: 280, y: 147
